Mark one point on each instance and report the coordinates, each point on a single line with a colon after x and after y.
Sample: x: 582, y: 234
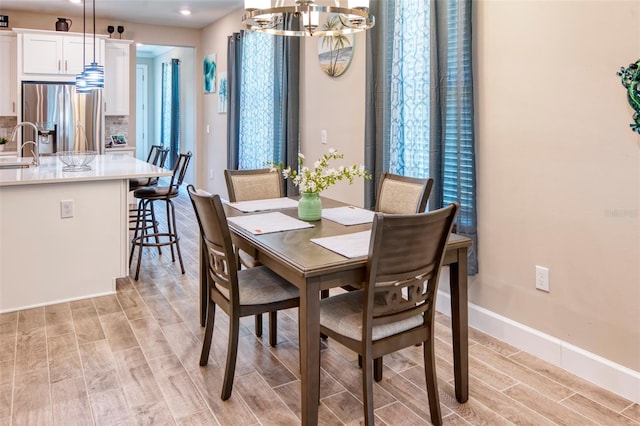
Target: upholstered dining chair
x: 147, y: 196
x: 402, y: 194
x: 248, y: 185
x: 255, y: 184
x: 237, y: 292
x: 396, y: 307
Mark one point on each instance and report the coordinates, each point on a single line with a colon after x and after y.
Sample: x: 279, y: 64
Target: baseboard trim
x: 609, y: 375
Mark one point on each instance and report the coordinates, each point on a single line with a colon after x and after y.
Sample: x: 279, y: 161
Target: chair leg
x: 367, y: 390
x: 142, y: 236
x: 135, y: 232
x: 208, y: 334
x: 377, y: 369
x: 154, y: 223
x: 175, y: 235
x: 432, y: 381
x: 232, y: 354
x: 170, y: 225
x: 273, y: 327
x: 259, y: 325
x: 323, y: 295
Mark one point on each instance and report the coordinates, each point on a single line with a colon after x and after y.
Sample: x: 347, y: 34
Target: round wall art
x: 335, y: 52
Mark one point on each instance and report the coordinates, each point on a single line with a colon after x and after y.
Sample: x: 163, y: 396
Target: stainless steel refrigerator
x: 66, y: 120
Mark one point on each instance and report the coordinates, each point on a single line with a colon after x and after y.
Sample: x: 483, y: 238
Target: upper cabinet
x: 8, y: 74
x: 116, y: 77
x: 54, y: 55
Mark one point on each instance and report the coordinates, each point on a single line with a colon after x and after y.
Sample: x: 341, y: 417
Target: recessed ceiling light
x: 185, y: 12
x: 75, y: 1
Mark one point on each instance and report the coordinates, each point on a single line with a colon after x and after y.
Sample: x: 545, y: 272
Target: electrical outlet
x: 66, y: 209
x: 542, y: 278
x: 324, y: 136
x: 210, y: 174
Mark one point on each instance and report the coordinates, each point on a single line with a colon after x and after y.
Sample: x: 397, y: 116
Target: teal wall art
x: 209, y: 68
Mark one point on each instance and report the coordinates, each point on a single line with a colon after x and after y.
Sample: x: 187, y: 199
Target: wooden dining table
x: 313, y: 269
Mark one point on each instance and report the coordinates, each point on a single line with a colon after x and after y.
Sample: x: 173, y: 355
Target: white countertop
x: 112, y: 166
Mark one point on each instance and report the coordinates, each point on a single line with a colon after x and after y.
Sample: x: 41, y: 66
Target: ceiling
x: 154, y: 12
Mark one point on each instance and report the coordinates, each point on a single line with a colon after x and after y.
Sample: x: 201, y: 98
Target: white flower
x: 322, y: 176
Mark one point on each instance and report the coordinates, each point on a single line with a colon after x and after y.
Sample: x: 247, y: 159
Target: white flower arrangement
x: 322, y: 176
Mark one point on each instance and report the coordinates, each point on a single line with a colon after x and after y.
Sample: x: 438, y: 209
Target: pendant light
x: 94, y: 73
x: 81, y: 79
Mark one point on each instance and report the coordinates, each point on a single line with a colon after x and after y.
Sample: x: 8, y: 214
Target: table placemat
x: 347, y: 245
x: 265, y: 223
x: 348, y: 215
x: 265, y: 204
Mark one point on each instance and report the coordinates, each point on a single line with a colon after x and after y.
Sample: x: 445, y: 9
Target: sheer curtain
x: 419, y: 115
x: 170, y: 109
x: 263, y: 109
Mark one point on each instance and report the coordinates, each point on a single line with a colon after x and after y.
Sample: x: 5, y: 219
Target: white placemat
x: 347, y: 245
x: 265, y: 204
x: 265, y: 223
x: 348, y: 215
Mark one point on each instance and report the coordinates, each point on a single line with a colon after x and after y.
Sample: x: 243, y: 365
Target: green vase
x: 310, y: 206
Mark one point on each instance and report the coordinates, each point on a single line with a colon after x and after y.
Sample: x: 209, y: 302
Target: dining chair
x: 248, y: 185
x: 396, y: 307
x: 147, y: 196
x: 238, y: 292
x: 254, y: 184
x: 402, y: 194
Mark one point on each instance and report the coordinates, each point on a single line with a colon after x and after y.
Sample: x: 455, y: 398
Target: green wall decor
x: 631, y: 81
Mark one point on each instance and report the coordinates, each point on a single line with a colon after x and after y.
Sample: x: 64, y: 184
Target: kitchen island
x: 46, y: 258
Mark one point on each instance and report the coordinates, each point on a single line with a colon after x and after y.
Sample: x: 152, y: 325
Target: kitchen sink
x: 14, y: 162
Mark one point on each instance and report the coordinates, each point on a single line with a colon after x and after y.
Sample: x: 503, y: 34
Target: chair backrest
x: 257, y: 184
x: 179, y: 172
x: 158, y: 155
x: 402, y: 194
x: 153, y: 153
x: 220, y: 260
x: 405, y: 258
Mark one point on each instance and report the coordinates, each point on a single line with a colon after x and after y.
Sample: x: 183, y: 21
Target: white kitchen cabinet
x: 54, y: 53
x: 8, y: 74
x: 116, y: 77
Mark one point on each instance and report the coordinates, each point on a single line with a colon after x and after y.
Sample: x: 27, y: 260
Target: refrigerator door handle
x: 59, y: 64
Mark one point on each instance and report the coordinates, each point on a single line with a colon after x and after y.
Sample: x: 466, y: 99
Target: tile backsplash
x: 113, y: 125
x: 6, y: 127
x: 116, y: 125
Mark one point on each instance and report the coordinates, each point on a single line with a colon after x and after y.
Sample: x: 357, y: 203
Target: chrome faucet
x: 36, y: 154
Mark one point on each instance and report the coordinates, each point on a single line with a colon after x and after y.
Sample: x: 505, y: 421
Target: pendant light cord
x: 94, y: 31
x: 84, y: 33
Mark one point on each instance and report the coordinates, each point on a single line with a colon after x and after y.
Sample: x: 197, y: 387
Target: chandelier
x: 260, y: 16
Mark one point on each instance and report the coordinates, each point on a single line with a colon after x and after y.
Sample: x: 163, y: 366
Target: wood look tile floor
x: 132, y: 358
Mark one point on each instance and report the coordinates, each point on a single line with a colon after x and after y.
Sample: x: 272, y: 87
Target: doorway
x: 153, y: 57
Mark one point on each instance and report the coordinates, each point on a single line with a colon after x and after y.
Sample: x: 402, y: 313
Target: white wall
x: 559, y: 170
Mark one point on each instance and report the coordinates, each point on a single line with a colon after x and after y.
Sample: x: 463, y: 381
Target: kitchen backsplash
x: 115, y: 125
x: 6, y: 127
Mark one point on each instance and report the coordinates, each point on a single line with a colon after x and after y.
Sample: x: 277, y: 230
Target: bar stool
x: 157, y: 156
x: 147, y: 196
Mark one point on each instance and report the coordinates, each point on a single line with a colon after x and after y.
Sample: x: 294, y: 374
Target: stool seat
x: 135, y: 183
x: 156, y: 192
x: 146, y: 235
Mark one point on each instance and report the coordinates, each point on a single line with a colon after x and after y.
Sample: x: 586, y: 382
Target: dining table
x: 314, y: 269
